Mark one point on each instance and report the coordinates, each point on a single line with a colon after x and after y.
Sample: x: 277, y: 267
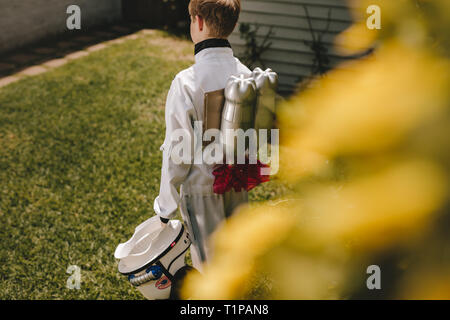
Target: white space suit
x: 201, y: 208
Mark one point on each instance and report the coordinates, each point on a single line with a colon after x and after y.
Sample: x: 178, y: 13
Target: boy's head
x: 213, y: 18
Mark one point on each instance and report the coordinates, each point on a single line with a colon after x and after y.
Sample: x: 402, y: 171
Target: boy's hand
x: 163, y: 221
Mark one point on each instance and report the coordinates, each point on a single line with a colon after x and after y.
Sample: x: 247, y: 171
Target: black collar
x: 212, y: 43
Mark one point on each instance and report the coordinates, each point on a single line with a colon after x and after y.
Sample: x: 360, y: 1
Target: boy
x: 212, y: 21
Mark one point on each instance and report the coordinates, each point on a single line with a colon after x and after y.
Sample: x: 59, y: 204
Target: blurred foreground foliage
x: 367, y: 148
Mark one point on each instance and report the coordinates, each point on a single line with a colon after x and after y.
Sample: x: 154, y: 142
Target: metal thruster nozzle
x: 238, y: 112
x: 267, y: 85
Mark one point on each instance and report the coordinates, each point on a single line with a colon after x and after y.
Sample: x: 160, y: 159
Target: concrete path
x: 42, y: 58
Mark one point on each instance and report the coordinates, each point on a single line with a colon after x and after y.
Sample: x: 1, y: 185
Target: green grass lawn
x: 80, y: 167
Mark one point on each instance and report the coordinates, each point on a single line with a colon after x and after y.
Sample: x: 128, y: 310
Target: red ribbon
x: 238, y: 177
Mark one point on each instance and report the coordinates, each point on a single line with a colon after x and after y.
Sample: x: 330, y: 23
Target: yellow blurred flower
x: 400, y: 19
x: 303, y: 276
x: 241, y: 240
x: 299, y: 162
x: 356, y: 39
x: 376, y: 210
x: 372, y: 109
x: 427, y: 284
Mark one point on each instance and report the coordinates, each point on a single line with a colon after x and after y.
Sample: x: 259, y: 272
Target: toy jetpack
x: 245, y: 103
x: 154, y: 258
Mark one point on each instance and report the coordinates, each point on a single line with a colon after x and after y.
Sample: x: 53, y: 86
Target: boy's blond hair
x: 220, y: 16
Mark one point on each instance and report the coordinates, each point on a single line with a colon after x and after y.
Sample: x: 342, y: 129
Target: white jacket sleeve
x: 178, y: 114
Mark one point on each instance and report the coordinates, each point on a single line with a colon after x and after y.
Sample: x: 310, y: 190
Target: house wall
x: 26, y: 21
x: 288, y: 55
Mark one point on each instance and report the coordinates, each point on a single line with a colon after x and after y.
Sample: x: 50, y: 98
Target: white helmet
x: 153, y: 259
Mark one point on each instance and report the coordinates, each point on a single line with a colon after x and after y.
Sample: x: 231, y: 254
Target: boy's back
x: 213, y: 67
x: 201, y: 208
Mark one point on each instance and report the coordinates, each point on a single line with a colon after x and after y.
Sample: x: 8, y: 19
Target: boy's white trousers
x: 203, y: 214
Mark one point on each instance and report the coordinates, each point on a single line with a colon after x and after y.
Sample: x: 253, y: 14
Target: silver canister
x: 266, y: 85
x: 238, y: 112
